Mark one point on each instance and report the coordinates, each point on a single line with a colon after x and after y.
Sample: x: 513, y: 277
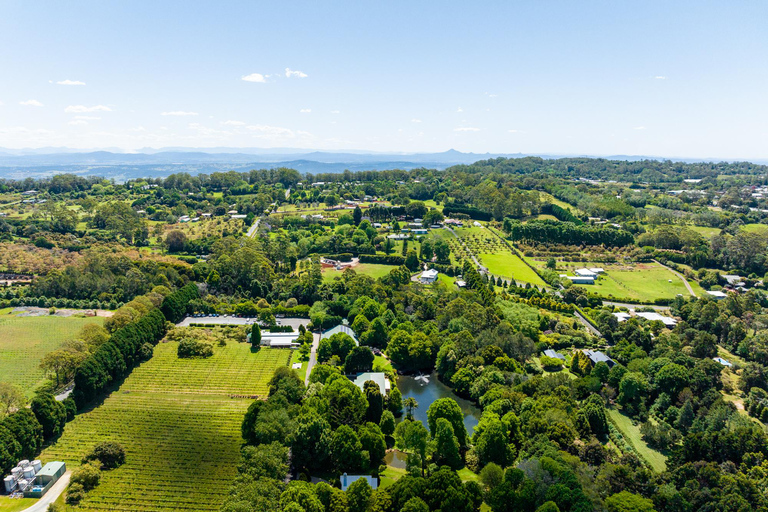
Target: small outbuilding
x: 553, y: 354
x: 347, y: 480
x: 722, y: 361
x: 428, y: 276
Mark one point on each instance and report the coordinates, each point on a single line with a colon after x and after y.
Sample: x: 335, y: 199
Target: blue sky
x: 661, y: 78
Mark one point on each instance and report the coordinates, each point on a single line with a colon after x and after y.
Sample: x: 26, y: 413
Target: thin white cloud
x: 79, y: 109
x: 305, y: 110
x: 459, y: 109
x: 514, y: 131
x: 31, y: 103
x: 335, y: 112
x: 466, y: 129
x: 88, y: 118
x: 270, y: 130
x: 232, y: 123
x: 415, y: 120
x: 78, y: 122
x: 70, y: 82
x: 289, y: 73
x: 178, y: 113
x: 639, y: 128
x: 255, y: 77
x: 660, y: 77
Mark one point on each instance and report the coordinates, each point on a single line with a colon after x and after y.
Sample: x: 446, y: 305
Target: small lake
x: 428, y: 388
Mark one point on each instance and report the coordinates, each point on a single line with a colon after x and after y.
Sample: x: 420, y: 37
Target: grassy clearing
x: 761, y: 229
x: 24, y: 341
x: 507, y: 264
x: 296, y: 358
x: 705, y: 231
x: 15, y: 505
x: 631, y: 432
x: 370, y: 269
x: 494, y: 254
x: 179, y: 422
x: 642, y: 282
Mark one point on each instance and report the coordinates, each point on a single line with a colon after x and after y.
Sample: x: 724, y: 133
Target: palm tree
x: 410, y: 404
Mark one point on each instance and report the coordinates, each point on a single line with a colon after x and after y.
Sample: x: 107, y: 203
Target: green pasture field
x: 8, y: 504
x: 507, y: 264
x: 656, y: 459
x: 370, y: 269
x: 179, y: 422
x: 643, y: 282
x: 494, y: 254
x: 761, y: 229
x: 24, y: 341
x: 705, y: 231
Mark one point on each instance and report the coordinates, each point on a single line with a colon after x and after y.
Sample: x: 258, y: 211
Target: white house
x: 585, y: 272
x: 428, y: 276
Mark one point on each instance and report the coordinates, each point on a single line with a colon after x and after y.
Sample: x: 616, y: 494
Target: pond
x: 428, y: 388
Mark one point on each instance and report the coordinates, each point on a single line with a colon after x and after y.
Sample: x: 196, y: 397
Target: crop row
x: 180, y: 429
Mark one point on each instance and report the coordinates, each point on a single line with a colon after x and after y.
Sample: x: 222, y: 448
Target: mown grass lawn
x: 642, y: 282
x: 369, y: 269
x: 24, y: 341
x: 705, y: 231
x: 656, y: 459
x: 509, y: 265
x: 15, y: 505
x: 755, y: 228
x: 179, y: 421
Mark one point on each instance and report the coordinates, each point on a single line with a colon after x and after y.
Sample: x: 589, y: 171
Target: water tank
x: 22, y: 484
x: 17, y: 473
x: 10, y: 484
x: 23, y: 463
x: 29, y: 472
x: 37, y: 465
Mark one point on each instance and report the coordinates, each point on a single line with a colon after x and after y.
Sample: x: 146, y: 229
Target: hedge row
x: 382, y: 260
x: 175, y: 305
x: 117, y: 356
x: 474, y: 213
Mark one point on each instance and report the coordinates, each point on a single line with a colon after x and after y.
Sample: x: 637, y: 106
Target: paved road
x: 589, y: 326
x: 312, y: 356
x: 254, y: 228
x: 52, y: 494
x: 682, y: 277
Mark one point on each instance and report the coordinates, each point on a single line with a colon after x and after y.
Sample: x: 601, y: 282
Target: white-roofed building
x: 668, y: 321
x: 717, y: 294
x: 428, y: 276
x: 585, y: 272
x: 622, y: 317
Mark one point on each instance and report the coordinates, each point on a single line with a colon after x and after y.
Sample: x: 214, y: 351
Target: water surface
x: 426, y: 389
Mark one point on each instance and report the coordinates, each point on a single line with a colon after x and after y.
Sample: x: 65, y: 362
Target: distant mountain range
x: 150, y: 162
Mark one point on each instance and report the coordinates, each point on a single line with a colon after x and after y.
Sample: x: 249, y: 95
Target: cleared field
x: 179, y: 421
x: 370, y: 269
x: 495, y: 255
x: 15, y: 505
x: 507, y: 264
x: 705, y: 231
x: 631, y: 432
x: 643, y: 282
x: 756, y: 228
x: 24, y: 341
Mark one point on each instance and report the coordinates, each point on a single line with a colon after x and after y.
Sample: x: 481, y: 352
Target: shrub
x: 88, y: 476
x: 193, y: 348
x: 109, y: 453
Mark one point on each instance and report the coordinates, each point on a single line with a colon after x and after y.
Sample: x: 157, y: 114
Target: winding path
x: 682, y: 277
